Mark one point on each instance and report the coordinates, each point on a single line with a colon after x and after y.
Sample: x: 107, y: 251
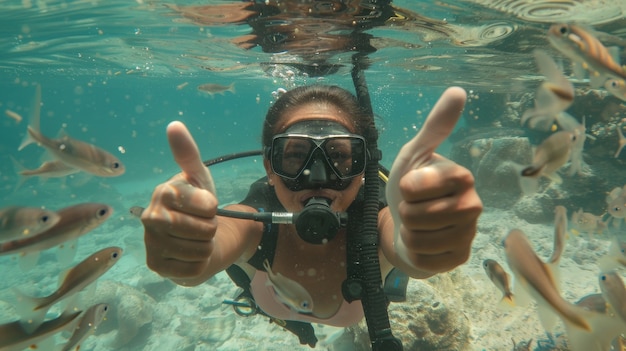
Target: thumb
x: 438, y: 126
x: 187, y: 156
x: 419, y: 150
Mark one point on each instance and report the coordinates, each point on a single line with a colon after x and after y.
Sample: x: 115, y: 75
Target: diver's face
x: 294, y: 201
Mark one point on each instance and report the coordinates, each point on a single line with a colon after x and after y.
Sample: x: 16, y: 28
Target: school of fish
x: 27, y: 231
x: 591, y: 324
x: 597, y: 321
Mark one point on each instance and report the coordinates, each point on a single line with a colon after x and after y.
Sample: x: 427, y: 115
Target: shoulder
x: 262, y: 197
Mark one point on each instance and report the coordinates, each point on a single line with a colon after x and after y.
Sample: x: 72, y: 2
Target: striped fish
x: 74, y: 153
x: 584, y: 49
x: 14, y: 338
x: 33, y: 309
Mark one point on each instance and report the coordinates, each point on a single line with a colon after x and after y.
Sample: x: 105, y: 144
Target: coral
x: 426, y: 320
x: 132, y: 314
x: 485, y: 150
x: 491, y: 161
x: 130, y: 310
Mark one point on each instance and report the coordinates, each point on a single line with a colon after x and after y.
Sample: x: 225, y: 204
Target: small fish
x: 569, y: 123
x: 585, y: 50
x: 593, y: 302
x: 615, y: 258
x: 549, y: 156
x: 74, y: 222
x: 616, y: 202
x: 136, y: 211
x: 500, y: 279
x: 213, y: 89
x: 72, y: 152
x: 560, y: 230
x: 289, y: 292
x: 34, y: 309
x: 586, y: 329
x: 14, y: 338
x: 537, y: 279
x: 553, y: 96
x: 18, y: 222
x: 614, y: 292
x: 48, y: 169
x: 13, y: 115
x: 621, y: 142
x: 619, y: 344
x: 586, y: 222
x: 89, y: 322
x: 617, y: 87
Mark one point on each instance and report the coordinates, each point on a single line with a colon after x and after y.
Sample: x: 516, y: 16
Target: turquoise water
x: 115, y: 73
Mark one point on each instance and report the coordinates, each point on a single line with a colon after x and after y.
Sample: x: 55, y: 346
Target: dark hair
x: 342, y: 99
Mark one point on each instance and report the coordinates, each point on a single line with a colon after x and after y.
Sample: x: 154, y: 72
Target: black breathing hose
x: 363, y: 238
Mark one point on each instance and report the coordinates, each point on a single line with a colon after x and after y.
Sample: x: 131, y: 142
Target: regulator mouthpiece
x: 317, y: 223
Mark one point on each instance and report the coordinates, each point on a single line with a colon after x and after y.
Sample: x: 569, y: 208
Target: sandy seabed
x: 195, y: 318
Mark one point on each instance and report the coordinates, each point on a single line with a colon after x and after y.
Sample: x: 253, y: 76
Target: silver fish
x: 586, y: 329
x: 136, y: 211
x: 48, y: 169
x: 593, y: 302
x: 13, y: 115
x: 290, y: 292
x: 89, y: 322
x: 72, y: 152
x: 617, y: 87
x: 18, y: 222
x: 500, y: 279
x: 621, y: 142
x: 212, y: 89
x: 560, y: 230
x: 615, y: 258
x: 569, y: 123
x: 586, y: 222
x: 34, y: 309
x: 74, y: 221
x: 549, y: 156
x: 614, y: 292
x: 585, y: 50
x: 537, y: 279
x: 553, y: 96
x: 14, y: 338
x: 616, y: 202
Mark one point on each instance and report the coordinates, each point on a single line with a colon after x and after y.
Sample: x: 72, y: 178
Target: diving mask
x: 317, y: 154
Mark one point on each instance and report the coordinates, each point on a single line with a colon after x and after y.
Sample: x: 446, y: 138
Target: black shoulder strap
x: 267, y: 247
x: 262, y: 197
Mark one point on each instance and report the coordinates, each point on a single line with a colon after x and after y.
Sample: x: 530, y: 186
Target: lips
x: 319, y: 195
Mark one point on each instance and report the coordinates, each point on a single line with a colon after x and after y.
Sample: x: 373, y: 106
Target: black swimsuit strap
x: 262, y: 197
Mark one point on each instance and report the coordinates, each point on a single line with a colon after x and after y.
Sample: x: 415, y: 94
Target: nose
x: 317, y: 172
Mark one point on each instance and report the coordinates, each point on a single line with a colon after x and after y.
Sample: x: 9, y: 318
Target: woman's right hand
x: 179, y: 224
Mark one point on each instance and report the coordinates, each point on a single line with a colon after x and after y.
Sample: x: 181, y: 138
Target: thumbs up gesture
x: 180, y: 224
x: 432, y: 200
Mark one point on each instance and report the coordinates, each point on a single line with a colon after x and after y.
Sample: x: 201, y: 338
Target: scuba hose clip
x: 317, y: 223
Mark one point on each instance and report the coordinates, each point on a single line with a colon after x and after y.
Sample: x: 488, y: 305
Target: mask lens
x: 291, y: 155
x: 346, y: 156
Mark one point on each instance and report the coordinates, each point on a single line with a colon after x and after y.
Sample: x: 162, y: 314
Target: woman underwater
x: 315, y: 139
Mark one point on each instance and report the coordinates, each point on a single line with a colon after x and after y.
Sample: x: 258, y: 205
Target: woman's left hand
x: 439, y: 212
x: 432, y: 200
